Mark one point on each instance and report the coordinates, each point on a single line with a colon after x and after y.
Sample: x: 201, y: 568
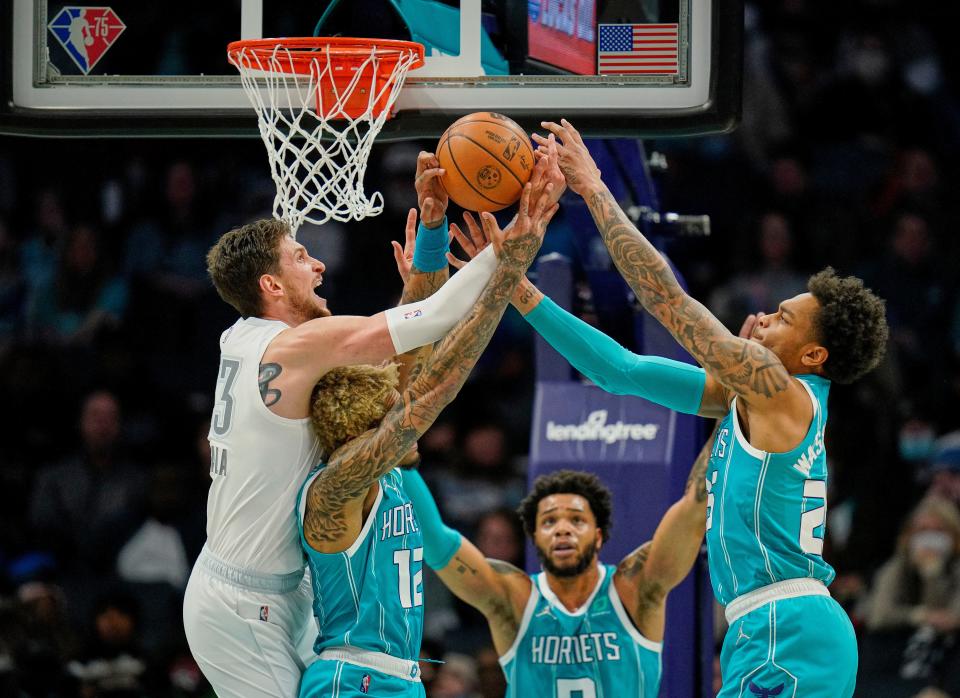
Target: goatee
x: 587, y: 559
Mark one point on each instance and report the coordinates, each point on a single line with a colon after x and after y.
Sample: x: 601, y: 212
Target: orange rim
x: 303, y: 50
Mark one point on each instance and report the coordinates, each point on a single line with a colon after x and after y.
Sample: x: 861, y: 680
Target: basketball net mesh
x: 317, y: 144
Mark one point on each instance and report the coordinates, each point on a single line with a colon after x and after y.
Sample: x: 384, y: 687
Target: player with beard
x: 246, y: 610
x: 578, y: 627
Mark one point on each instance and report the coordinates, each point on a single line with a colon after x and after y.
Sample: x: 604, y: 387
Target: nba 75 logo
x: 86, y: 33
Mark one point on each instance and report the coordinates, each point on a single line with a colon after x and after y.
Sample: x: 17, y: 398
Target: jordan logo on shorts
x: 365, y: 684
x: 264, y: 613
x: 761, y: 692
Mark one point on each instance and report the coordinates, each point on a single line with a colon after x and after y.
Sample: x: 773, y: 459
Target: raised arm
x: 495, y: 588
x: 645, y: 576
x: 741, y: 366
x: 673, y: 384
x: 337, y: 492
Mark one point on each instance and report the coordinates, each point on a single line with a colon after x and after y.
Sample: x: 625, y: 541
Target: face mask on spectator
x: 929, y: 551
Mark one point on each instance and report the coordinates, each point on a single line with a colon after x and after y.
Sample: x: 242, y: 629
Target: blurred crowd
x: 846, y: 155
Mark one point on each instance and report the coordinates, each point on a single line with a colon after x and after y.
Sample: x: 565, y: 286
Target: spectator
x: 944, y: 468
x: 112, y: 665
x: 774, y: 278
x: 484, y: 480
x: 457, y: 677
x: 500, y: 536
x: 13, y: 290
x: 83, y: 298
x: 913, y: 612
x: 84, y: 507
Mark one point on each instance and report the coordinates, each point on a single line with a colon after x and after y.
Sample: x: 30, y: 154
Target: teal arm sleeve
x: 440, y: 542
x: 670, y: 383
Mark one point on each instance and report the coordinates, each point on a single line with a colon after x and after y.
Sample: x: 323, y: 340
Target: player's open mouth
x: 564, y: 550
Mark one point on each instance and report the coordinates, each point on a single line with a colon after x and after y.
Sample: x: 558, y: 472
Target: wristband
x: 432, y: 246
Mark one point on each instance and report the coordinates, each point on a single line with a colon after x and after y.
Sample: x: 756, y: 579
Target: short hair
x: 348, y: 401
x: 240, y: 257
x: 587, y: 485
x: 851, y: 324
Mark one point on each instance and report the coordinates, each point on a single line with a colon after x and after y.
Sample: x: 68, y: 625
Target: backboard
x: 613, y: 67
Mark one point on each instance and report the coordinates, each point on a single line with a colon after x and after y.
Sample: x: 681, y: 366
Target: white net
x: 318, y: 119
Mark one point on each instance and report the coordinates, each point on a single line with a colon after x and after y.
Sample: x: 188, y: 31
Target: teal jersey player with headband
x: 767, y: 476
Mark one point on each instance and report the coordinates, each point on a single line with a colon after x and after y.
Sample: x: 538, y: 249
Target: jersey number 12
x: 411, y: 593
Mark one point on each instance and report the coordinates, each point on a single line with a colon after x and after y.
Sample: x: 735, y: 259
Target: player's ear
x: 814, y: 355
x: 270, y: 285
x: 600, y: 539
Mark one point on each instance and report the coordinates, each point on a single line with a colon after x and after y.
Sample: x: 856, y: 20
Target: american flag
x: 634, y: 49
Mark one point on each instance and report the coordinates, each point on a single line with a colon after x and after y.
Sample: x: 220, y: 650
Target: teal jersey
x: 766, y: 512
x: 370, y: 596
x: 595, y: 652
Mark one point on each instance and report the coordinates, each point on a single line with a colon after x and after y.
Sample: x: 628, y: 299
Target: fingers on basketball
x: 487, y: 159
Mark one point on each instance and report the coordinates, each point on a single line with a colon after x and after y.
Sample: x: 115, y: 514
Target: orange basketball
x: 488, y: 158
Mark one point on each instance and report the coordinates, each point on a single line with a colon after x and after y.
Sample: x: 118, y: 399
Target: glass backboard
x: 613, y: 67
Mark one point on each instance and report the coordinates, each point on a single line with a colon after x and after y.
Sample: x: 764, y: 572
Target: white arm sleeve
x: 425, y: 322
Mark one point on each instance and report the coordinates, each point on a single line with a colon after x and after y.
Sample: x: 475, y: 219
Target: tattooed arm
x: 645, y: 576
x: 736, y: 366
x: 335, y: 498
x: 497, y: 589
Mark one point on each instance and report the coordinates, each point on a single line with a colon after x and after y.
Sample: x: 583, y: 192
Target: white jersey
x: 258, y: 460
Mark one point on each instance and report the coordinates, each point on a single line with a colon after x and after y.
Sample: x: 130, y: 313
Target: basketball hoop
x: 320, y: 103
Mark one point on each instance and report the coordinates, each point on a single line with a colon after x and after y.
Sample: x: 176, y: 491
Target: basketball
x: 488, y: 158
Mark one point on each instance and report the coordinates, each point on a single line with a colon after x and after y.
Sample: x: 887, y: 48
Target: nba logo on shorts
x: 265, y: 613
x: 410, y: 314
x: 365, y: 684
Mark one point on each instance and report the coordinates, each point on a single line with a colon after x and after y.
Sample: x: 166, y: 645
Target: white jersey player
x: 247, y: 610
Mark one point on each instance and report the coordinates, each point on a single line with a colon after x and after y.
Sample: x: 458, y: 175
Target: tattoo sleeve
x: 354, y: 467
x: 270, y: 396
x: 650, y: 592
x: 739, y: 364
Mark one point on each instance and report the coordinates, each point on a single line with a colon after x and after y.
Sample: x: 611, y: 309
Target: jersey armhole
x: 261, y: 408
x: 364, y: 530
x: 628, y: 625
x: 508, y: 656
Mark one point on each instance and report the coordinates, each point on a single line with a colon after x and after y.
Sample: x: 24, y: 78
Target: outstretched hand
x: 404, y: 255
x: 575, y: 161
x: 548, y: 169
x: 471, y: 242
x: 518, y: 243
x: 432, y: 198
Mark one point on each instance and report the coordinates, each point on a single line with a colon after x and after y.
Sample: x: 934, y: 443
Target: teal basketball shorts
x: 801, y: 647
x: 326, y: 677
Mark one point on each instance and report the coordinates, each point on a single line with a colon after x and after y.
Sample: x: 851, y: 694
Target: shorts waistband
x: 787, y: 589
x: 248, y: 579
x: 405, y: 669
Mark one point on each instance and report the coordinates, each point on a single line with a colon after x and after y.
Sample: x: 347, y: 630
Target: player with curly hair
x: 358, y: 531
x: 767, y: 478
x: 578, y: 627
